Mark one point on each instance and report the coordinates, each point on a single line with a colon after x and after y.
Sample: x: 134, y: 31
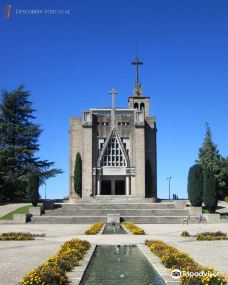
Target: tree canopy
x: 212, y: 161
x: 19, y: 145
x: 195, y: 185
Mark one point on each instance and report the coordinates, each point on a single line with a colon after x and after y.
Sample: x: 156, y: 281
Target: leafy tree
x: 148, y: 178
x: 210, y: 191
x: 33, y: 189
x: 195, y: 185
x: 211, y: 160
x: 19, y: 144
x: 78, y: 175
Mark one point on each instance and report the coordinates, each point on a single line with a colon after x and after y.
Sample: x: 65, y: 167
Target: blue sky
x: 70, y: 62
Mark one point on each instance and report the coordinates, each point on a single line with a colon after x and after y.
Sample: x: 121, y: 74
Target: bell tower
x: 138, y: 101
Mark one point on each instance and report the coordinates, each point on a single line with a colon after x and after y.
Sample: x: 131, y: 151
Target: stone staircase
x: 87, y: 211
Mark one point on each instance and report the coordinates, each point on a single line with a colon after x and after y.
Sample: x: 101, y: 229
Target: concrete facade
x: 117, y: 148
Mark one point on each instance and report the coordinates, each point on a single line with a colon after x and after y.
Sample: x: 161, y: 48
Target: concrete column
x: 94, y: 186
x: 127, y: 185
x: 113, y: 187
x: 139, y: 163
x: 98, y: 185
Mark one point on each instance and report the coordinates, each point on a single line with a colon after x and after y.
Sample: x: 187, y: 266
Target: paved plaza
x: 19, y: 257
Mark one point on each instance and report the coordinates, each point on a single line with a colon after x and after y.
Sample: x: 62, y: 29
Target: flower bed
x: 173, y: 258
x: 16, y: 236
x: 134, y: 229
x: 212, y: 236
x: 94, y: 229
x: 185, y: 234
x: 53, y: 270
x: 207, y: 235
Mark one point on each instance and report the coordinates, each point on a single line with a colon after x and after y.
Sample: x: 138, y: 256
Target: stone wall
x: 151, y: 152
x: 75, y: 146
x: 87, y: 166
x: 139, y: 162
x: 84, y: 138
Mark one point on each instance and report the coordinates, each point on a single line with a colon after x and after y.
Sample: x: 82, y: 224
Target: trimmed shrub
x: 195, y: 185
x: 210, y: 191
x: 78, y: 175
x: 134, y: 229
x: 33, y: 189
x: 94, y: 229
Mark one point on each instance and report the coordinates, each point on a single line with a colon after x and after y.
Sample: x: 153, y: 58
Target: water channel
x: 113, y: 265
x: 114, y: 229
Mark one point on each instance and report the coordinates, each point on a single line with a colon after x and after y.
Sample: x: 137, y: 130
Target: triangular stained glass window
x: 113, y: 155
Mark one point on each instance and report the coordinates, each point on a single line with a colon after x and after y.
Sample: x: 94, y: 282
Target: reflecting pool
x: 113, y: 229
x: 112, y: 265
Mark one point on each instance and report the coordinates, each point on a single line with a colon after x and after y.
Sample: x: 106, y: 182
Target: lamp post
x: 169, y: 178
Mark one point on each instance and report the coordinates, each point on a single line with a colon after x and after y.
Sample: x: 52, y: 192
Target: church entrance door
x: 106, y: 187
x: 119, y: 187
x: 113, y: 185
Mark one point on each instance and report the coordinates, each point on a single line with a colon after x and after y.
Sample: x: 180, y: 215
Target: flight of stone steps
x: 86, y: 211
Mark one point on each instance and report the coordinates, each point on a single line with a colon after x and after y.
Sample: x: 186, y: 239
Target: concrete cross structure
x: 116, y: 145
x: 113, y: 93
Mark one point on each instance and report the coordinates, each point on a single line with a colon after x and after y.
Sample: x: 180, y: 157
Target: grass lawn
x: 223, y: 217
x: 205, y: 211
x: 22, y: 210
x: 226, y: 199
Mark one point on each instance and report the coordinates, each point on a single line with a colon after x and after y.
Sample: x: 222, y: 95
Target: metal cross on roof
x: 137, y: 63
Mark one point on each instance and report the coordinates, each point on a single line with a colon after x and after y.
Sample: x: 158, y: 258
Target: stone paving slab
x: 17, y: 258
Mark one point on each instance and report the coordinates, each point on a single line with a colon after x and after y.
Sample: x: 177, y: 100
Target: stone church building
x: 117, y: 147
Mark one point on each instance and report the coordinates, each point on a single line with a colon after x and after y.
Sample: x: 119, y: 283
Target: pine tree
x: 211, y: 161
x: 195, y: 185
x: 19, y: 144
x: 209, y: 154
x: 78, y: 175
x: 210, y: 191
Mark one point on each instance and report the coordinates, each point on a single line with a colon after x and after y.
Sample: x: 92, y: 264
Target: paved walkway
x: 223, y: 207
x: 7, y: 208
x: 18, y: 258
